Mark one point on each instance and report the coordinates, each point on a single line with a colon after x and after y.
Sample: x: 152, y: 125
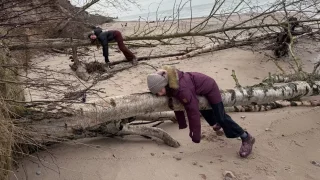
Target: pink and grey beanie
x: 157, y: 81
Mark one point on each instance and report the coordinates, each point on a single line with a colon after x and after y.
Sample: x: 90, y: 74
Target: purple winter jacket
x: 191, y: 84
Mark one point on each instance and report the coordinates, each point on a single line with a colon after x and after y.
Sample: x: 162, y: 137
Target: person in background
x: 104, y: 37
x: 185, y: 86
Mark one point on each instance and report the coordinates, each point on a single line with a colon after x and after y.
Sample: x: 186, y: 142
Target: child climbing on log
x: 185, y: 86
x: 108, y: 36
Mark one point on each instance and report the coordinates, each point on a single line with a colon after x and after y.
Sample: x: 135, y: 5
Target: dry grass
x: 7, y: 128
x: 10, y: 91
x: 6, y: 141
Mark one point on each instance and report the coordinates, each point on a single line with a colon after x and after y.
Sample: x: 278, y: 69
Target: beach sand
x: 283, y: 152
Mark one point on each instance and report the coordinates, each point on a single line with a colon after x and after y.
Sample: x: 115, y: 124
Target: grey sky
x: 146, y: 6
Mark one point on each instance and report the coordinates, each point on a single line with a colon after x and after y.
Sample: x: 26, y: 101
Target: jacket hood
x: 97, y: 31
x: 173, y: 77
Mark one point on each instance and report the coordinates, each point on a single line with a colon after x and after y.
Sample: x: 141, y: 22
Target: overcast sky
x: 146, y: 6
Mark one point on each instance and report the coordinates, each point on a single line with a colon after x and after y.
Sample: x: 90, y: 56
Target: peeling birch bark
x: 272, y: 105
x: 291, y: 77
x: 120, y: 107
x: 158, y: 116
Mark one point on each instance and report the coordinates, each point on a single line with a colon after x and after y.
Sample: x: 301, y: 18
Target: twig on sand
x: 235, y: 79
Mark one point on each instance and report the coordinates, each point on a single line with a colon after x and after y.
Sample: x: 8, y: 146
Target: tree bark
x: 271, y: 105
x: 149, y: 57
x: 149, y: 131
x: 157, y: 116
x: 228, y: 44
x: 120, y: 107
x: 67, y: 44
x: 49, y: 43
x: 50, y: 131
x: 281, y: 78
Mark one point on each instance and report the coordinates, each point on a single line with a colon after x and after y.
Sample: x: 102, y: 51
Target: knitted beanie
x: 157, y: 81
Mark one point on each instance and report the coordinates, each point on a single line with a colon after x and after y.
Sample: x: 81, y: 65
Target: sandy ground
x: 285, y: 152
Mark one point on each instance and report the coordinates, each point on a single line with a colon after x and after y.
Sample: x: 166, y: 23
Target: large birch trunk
x: 280, y: 78
x: 271, y: 105
x: 120, y: 107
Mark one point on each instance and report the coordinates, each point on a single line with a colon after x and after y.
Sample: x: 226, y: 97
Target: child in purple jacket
x: 185, y: 86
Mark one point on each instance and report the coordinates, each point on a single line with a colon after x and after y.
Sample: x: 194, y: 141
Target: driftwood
x: 54, y: 127
x: 121, y: 107
x: 51, y: 129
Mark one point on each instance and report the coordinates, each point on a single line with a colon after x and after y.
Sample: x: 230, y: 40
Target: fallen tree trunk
x: 228, y: 44
x: 67, y: 44
x: 281, y: 78
x: 49, y: 43
x: 169, y: 115
x: 50, y: 131
x: 272, y: 105
x: 120, y: 107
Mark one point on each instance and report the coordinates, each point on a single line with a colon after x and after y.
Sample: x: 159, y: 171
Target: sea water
x: 170, y: 9
x: 152, y: 10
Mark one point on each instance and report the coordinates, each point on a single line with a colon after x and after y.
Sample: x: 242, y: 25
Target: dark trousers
x: 217, y: 115
x: 126, y: 52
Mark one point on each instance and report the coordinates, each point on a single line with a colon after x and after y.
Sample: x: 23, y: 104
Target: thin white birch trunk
x: 225, y: 45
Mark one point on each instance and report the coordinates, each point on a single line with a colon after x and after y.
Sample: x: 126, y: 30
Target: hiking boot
x: 217, y: 129
x: 247, y: 145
